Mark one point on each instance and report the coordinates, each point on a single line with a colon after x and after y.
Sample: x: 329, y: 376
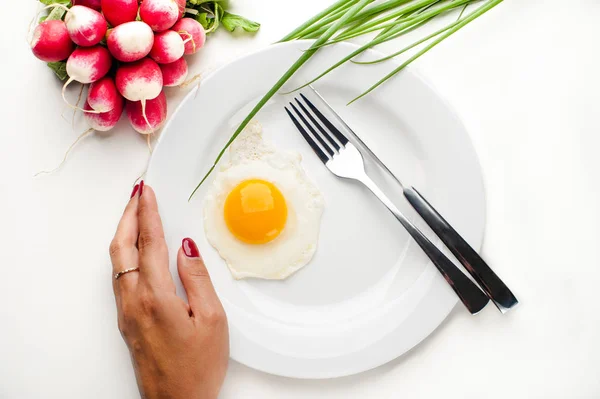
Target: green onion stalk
x: 347, y: 19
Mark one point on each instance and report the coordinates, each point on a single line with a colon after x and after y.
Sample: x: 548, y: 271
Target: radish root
x: 146, y: 117
x: 140, y: 177
x: 190, y: 38
x: 190, y: 81
x: 62, y: 114
x: 75, y: 107
x: 81, y: 136
x: 149, y: 125
x: 149, y: 142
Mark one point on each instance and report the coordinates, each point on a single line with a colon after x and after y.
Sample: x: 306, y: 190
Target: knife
x: 487, y: 279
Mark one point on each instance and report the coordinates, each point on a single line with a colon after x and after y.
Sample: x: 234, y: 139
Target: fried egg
x: 262, y: 213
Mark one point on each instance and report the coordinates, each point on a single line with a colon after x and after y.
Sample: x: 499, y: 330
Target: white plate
x: 369, y: 294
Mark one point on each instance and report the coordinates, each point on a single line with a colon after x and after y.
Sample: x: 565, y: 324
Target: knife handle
x: 469, y: 293
x: 491, y: 284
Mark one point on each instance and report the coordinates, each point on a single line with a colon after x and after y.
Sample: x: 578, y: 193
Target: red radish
x: 118, y: 12
x: 175, y: 73
x: 181, y: 4
x: 130, y: 41
x: 149, y: 118
x: 86, y: 27
x: 107, y: 120
x: 159, y: 14
x: 168, y: 47
x: 93, y: 4
x: 51, y: 41
x: 140, y: 81
x: 192, y: 33
x: 103, y: 95
x: 87, y: 65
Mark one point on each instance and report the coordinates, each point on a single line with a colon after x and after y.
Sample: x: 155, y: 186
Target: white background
x: 524, y: 79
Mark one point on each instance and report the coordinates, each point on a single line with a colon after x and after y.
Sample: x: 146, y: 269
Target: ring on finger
x: 122, y: 272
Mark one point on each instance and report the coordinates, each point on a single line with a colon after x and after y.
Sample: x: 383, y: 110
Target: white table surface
x: 524, y: 79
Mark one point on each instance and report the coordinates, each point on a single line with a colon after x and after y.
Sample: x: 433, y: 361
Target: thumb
x: 195, y: 278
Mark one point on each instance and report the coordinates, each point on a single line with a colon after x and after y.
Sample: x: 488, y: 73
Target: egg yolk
x: 255, y: 211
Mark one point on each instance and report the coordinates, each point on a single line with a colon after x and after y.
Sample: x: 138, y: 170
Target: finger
x: 123, y: 250
x: 154, y: 256
x: 195, y: 278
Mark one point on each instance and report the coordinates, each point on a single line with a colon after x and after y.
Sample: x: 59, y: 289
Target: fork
x: 344, y: 160
x: 487, y: 279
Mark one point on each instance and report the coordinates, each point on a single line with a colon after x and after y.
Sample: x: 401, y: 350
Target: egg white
x: 250, y: 157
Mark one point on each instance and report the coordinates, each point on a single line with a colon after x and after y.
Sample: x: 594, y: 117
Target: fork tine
x: 326, y: 136
x: 338, y: 135
x: 316, y: 136
x: 357, y: 137
x: 322, y: 156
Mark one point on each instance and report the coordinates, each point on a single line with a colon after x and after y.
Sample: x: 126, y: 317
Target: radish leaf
x: 50, y: 2
x: 60, y: 69
x: 233, y: 21
x: 213, y: 13
x: 57, y: 12
x: 204, y: 20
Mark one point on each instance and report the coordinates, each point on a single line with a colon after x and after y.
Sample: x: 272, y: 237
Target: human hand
x: 179, y: 350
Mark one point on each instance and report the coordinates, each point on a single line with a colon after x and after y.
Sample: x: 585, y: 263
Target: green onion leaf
x: 316, y: 18
x: 286, y: 76
x: 322, y: 23
x: 387, y: 36
x: 480, y: 11
x: 347, y: 19
x: 397, y: 53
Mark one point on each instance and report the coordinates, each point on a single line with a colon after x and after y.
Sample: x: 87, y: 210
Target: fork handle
x: 468, y: 292
x: 493, y: 286
x: 470, y: 295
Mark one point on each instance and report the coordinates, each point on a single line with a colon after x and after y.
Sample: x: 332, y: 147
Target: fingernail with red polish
x: 141, y: 188
x: 190, y: 248
x: 135, y: 190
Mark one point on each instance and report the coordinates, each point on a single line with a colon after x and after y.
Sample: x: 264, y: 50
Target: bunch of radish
x: 127, y: 51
